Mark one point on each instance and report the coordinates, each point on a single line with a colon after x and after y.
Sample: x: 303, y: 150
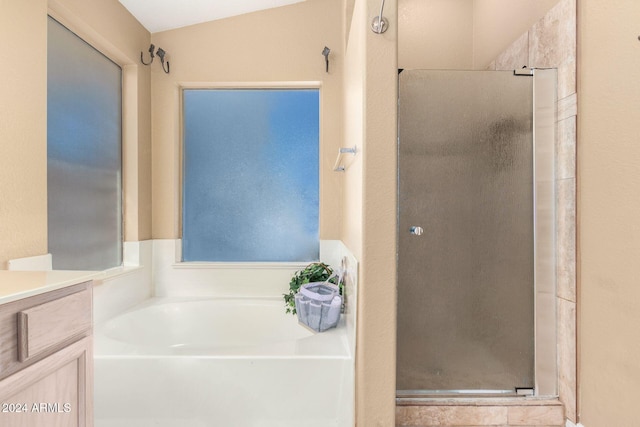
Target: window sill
x: 242, y: 265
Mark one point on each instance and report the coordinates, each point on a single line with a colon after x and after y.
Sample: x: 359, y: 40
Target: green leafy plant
x: 314, y: 272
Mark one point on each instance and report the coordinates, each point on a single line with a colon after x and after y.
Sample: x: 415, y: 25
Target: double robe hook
x: 160, y: 52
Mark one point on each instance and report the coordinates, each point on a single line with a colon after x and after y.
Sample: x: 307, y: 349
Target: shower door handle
x: 416, y: 230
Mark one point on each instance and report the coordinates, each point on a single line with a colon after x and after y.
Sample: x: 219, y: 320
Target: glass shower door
x: 466, y: 233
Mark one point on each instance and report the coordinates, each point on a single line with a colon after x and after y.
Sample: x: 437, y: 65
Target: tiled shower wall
x: 551, y: 43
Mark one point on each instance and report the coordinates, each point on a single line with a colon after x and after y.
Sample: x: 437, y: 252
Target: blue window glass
x: 84, y: 165
x: 250, y: 175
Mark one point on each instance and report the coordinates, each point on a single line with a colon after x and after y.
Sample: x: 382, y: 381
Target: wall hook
x: 161, y: 53
x: 151, y: 48
x: 325, y: 53
x: 380, y: 24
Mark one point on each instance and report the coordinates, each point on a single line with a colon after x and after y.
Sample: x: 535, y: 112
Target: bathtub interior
x: 265, y: 371
x: 202, y: 324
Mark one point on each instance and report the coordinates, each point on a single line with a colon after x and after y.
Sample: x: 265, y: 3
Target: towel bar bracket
x: 338, y: 167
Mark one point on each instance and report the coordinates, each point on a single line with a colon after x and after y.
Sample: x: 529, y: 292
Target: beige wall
x: 352, y: 229
x: 276, y: 45
x: 370, y: 206
x: 23, y: 108
x: 435, y: 34
x: 609, y: 211
x: 353, y: 104
x: 23, y: 129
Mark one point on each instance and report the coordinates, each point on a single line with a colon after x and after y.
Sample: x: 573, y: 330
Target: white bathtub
x: 219, y: 362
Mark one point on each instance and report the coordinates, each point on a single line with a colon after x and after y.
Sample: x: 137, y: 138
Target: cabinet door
x: 55, y: 392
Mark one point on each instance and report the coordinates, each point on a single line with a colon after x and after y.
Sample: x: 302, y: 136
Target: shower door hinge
x: 523, y: 72
x: 524, y: 391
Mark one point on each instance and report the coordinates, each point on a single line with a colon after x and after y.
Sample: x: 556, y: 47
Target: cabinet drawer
x: 42, y: 327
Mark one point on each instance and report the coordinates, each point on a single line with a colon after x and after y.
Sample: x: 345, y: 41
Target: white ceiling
x: 161, y: 15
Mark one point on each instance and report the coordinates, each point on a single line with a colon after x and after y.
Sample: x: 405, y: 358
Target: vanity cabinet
x: 46, y: 362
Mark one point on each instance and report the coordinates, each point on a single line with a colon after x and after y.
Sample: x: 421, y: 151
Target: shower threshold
x: 428, y: 394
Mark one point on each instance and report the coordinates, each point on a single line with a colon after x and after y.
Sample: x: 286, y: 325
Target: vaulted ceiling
x: 161, y: 15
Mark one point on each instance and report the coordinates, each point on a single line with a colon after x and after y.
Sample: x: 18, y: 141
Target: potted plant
x: 314, y: 272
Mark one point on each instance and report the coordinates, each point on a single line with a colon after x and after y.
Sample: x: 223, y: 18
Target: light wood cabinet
x: 46, y: 360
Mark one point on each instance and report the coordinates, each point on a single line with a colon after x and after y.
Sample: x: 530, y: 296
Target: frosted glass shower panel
x: 84, y: 106
x: 466, y: 285
x: 250, y: 179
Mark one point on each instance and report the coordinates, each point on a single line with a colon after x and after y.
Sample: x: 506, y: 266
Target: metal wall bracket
x: 523, y: 72
x: 338, y: 167
x: 524, y: 391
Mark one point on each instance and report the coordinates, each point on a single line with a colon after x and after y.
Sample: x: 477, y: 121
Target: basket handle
x: 316, y: 296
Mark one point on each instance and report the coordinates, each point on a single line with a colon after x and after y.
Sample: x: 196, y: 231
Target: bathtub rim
x: 331, y: 344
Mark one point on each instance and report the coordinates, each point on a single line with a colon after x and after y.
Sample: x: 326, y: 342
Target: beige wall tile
x: 451, y: 415
x: 567, y: 356
x: 552, y: 43
x: 566, y: 238
x: 527, y: 414
x: 516, y: 56
x: 566, y: 149
x: 449, y: 425
x: 535, y: 415
x: 567, y: 107
x: 567, y: 78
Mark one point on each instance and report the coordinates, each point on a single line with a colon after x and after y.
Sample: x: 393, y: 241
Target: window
x: 250, y: 175
x: 83, y: 154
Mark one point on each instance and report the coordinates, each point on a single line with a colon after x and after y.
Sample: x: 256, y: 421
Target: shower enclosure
x: 476, y: 275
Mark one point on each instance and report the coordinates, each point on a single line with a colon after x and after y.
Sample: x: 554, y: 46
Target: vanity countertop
x: 15, y: 285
